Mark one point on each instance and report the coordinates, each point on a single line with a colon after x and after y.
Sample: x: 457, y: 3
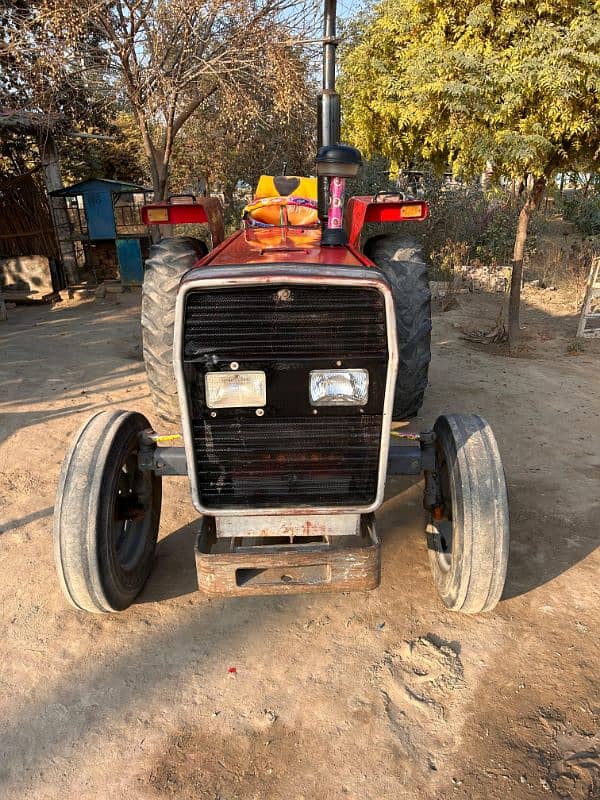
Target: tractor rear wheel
x: 169, y: 260
x: 106, y: 515
x: 403, y: 263
x: 468, y: 534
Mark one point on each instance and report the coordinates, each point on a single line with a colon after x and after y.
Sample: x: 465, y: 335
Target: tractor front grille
x: 285, y: 322
x: 297, y: 461
x: 290, y: 456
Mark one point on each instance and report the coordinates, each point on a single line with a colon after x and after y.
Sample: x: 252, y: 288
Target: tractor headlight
x: 235, y: 389
x: 339, y: 387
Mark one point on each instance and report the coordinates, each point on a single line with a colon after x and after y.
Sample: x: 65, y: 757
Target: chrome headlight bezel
x: 347, y: 387
x: 221, y: 388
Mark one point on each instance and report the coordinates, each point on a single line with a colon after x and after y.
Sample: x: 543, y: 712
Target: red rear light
x: 396, y: 211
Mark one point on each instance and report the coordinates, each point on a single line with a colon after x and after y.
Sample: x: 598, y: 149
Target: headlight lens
x: 235, y: 389
x: 339, y: 387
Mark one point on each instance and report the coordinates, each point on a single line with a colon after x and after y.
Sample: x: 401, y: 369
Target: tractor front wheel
x: 106, y: 515
x: 169, y: 260
x: 468, y: 533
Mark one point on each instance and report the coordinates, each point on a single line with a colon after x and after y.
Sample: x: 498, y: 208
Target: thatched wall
x: 25, y: 218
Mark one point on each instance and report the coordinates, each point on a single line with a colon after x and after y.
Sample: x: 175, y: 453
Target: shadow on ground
x: 14, y: 524
x: 66, y: 354
x: 543, y: 547
x: 174, y: 571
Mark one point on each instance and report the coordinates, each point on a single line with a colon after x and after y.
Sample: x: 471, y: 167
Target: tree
x: 168, y: 60
x: 45, y: 71
x: 514, y: 82
x: 242, y: 146
x: 117, y: 155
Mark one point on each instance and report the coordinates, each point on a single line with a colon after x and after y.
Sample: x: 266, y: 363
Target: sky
x: 348, y: 8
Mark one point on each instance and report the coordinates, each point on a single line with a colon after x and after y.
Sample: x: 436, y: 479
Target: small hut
x: 105, y: 226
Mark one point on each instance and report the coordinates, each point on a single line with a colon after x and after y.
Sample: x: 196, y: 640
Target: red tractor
x: 284, y: 355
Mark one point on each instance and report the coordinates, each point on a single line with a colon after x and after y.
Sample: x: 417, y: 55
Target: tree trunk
x: 58, y: 207
x: 514, y: 303
x: 160, y: 184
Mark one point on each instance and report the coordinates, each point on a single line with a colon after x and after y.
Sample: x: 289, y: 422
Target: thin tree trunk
x: 160, y: 184
x: 514, y: 303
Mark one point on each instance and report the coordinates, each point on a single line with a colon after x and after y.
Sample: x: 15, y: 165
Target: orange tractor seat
x: 283, y: 200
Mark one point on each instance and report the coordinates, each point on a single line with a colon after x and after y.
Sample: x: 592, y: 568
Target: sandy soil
x: 373, y: 696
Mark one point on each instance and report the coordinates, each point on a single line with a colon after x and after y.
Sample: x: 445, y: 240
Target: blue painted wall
x: 129, y: 256
x: 100, y: 215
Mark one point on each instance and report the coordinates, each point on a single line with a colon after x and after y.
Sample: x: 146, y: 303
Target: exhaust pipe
x: 329, y: 100
x: 328, y: 110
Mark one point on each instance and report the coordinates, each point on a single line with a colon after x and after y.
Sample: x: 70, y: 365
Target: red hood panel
x: 281, y: 246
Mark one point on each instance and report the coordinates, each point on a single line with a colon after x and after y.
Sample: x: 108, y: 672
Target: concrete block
x: 27, y: 274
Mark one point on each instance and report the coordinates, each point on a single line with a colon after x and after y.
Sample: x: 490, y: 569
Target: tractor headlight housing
x: 235, y: 389
x: 339, y: 387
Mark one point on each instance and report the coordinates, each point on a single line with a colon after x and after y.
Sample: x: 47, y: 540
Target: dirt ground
x: 367, y: 696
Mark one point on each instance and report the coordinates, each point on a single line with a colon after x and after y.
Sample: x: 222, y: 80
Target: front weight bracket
x: 413, y: 458
x: 161, y: 460
x: 416, y: 458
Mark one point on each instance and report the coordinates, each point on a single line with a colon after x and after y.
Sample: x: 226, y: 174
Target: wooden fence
x: 25, y: 218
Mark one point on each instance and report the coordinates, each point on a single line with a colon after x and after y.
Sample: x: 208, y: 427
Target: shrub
x: 482, y: 223
x: 583, y: 212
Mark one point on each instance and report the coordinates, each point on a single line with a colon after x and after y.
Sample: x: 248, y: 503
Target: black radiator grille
x: 291, y: 456
x: 305, y: 321
x: 296, y: 461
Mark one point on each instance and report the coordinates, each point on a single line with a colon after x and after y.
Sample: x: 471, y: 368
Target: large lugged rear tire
x: 403, y: 263
x: 106, y: 515
x: 468, y: 534
x: 169, y: 260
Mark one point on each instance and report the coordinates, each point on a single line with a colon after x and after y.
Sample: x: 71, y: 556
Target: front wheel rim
x: 442, y: 524
x: 131, y: 517
x: 442, y: 542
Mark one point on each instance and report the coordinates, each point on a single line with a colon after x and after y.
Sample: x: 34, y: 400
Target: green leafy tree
x: 511, y: 82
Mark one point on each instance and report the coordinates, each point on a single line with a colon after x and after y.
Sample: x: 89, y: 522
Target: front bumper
x: 258, y: 567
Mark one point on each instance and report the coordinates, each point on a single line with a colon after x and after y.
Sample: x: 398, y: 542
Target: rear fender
x: 188, y: 209
x: 381, y: 208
